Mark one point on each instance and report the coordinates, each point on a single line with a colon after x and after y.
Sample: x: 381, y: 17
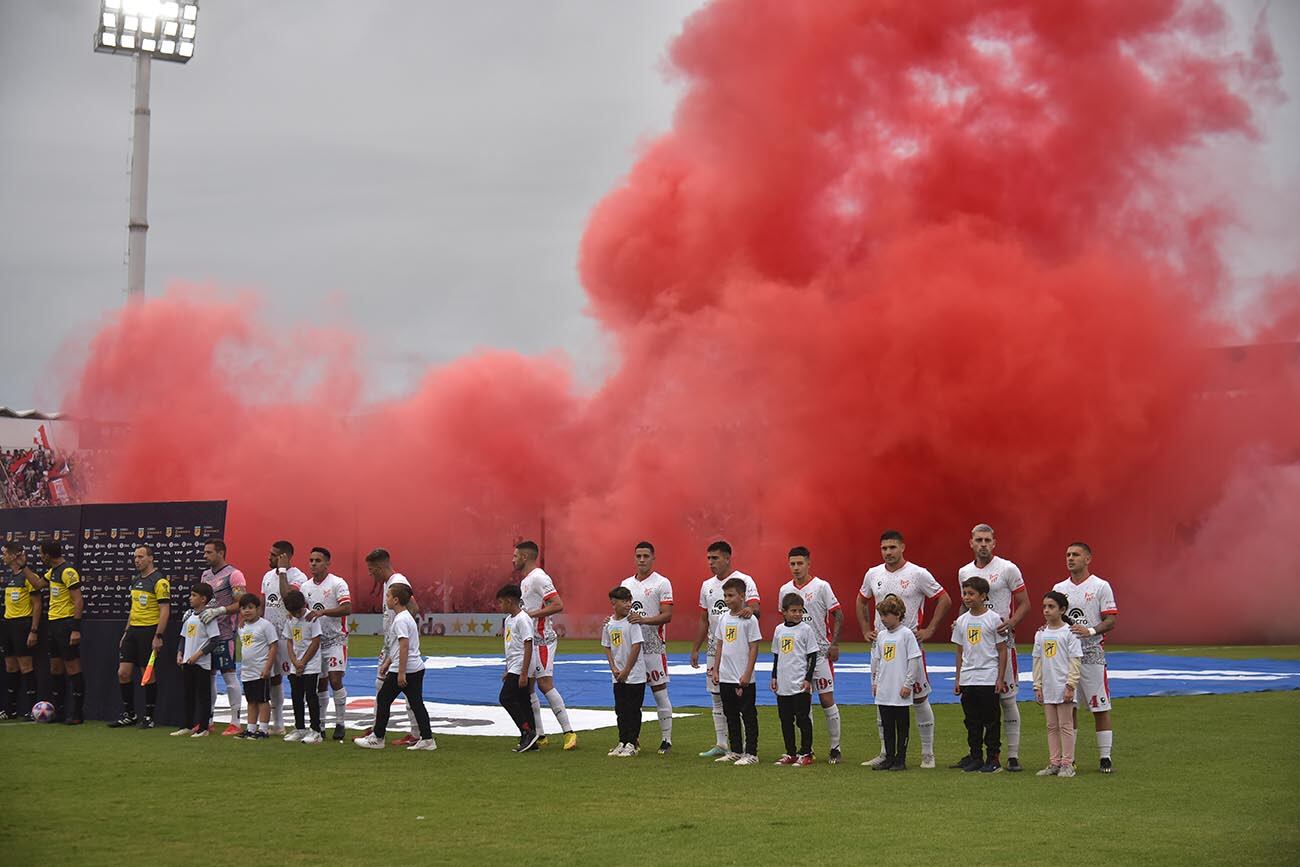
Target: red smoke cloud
x: 909, y: 266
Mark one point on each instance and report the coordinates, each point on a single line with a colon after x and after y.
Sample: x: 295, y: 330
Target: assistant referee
x: 151, y: 596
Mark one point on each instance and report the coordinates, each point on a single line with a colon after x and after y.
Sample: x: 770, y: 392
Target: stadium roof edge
x: 9, y: 412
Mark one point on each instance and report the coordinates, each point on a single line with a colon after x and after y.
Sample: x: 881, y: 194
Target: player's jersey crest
x: 729, y: 634
x: 616, y: 637
x: 1049, y: 648
x: 888, y: 650
x: 974, y: 634
x: 787, y: 643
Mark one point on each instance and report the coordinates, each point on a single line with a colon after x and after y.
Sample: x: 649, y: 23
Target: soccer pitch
x: 1205, y: 778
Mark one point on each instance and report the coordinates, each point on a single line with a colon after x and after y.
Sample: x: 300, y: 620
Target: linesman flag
x: 147, y: 677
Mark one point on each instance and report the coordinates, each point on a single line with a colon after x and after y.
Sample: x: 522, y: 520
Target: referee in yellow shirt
x: 22, y: 624
x: 66, y: 605
x: 151, y: 597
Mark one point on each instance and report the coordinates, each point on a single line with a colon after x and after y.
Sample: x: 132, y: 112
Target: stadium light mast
x: 145, y: 30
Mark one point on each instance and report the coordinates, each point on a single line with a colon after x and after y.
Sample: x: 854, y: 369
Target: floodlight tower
x: 144, y: 29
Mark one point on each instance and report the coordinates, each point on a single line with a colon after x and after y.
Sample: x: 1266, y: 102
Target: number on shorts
x: 654, y: 675
x: 823, y: 683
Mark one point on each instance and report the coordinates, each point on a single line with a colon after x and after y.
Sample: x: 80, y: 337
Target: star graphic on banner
x: 352, y: 626
x: 487, y: 627
x: 470, y: 627
x: 456, y: 626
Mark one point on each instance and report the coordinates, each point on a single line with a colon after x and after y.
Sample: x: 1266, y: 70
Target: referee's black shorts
x: 16, y: 630
x: 137, y: 644
x: 61, y: 646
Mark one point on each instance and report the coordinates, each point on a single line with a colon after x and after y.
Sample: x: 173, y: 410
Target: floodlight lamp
x: 161, y: 30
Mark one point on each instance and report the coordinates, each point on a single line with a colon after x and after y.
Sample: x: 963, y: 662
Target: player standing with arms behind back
x: 1009, y: 600
x: 542, y: 602
x: 652, y: 610
x: 330, y: 604
x: 913, y: 585
x: 822, y: 612
x: 1092, y: 613
x: 713, y: 605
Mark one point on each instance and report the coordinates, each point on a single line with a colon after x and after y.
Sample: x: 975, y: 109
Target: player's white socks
x: 1104, y: 740
x: 665, y: 706
x: 557, y: 707
x: 340, y: 707
x: 234, y: 695
x: 1011, y: 726
x: 925, y: 726
x: 880, y: 730
x: 719, y: 721
x: 537, y: 716
x: 277, y: 704
x: 833, y: 724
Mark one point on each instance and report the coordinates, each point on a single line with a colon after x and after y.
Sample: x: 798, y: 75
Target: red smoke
x: 895, y: 265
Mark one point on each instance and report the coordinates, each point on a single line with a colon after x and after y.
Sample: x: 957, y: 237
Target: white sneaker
x: 877, y: 762
x: 201, y: 733
x: 312, y: 737
x: 747, y: 760
x: 425, y: 744
x: 1049, y: 771
x: 727, y: 758
x: 1066, y: 771
x: 182, y: 732
x: 369, y: 742
x: 617, y: 750
x: 296, y: 735
x: 927, y: 761
x: 632, y: 750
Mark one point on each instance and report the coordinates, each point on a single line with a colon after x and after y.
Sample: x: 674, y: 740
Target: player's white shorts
x: 1094, y: 688
x: 1011, y: 672
x: 656, y: 669
x: 921, y: 689
x: 711, y: 660
x: 545, y: 666
x: 335, y: 657
x: 823, y: 675
x: 282, y: 655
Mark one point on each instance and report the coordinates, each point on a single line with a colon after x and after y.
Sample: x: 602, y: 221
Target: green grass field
x: 1207, y: 779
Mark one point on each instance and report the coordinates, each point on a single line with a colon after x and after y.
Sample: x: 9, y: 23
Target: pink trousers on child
x: 1060, y: 732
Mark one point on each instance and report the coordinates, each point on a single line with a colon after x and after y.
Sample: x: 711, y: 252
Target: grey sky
x: 422, y: 170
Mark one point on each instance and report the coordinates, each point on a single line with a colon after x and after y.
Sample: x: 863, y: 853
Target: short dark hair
x: 203, y: 590
x: 736, y: 584
x: 148, y: 549
x: 891, y: 534
x: 790, y: 600
x: 621, y: 592
x: 219, y: 544
x: 379, y: 555
x: 720, y: 545
x: 1084, y: 545
x: 510, y: 591
x: 528, y: 545
x: 400, y: 592
x: 52, y: 548
x: 800, y: 551
x: 294, y: 601
x: 978, y: 584
x: 248, y: 600
x: 283, y: 547
x: 646, y: 545
x: 13, y: 547
x: 325, y: 552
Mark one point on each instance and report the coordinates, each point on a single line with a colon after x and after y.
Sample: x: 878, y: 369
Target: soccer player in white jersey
x: 542, y: 602
x: 914, y: 586
x: 1092, y: 613
x: 1009, y: 598
x: 652, y: 610
x: 712, y: 606
x: 282, y: 577
x: 379, y: 563
x: 330, y: 601
x: 821, y: 611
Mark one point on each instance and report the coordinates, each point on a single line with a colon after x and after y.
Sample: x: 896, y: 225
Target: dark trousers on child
x: 628, y: 698
x: 983, y: 711
x: 793, y: 710
x: 414, y: 692
x: 196, y: 681
x: 738, y: 707
x: 302, y: 689
x: 518, y: 702
x: 896, y: 721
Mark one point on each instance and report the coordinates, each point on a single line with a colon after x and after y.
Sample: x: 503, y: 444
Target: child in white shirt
x: 895, y: 669
x: 1058, y: 659
x: 623, y: 642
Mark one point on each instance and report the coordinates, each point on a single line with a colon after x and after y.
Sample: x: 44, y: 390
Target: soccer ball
x: 43, y: 711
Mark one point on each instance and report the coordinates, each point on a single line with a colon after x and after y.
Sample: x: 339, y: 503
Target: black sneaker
x: 146, y: 722
x: 4, y: 715
x: 261, y: 735
x: 1107, y: 767
x: 340, y: 732
x: 246, y: 735
x: 885, y: 765
x: 527, y: 742
x: 834, y: 759
x: 125, y: 721
x: 665, y: 747
x: 27, y: 717
x: 899, y: 764
x: 992, y: 766
x: 965, y: 762
x: 976, y: 763
x: 1013, y: 765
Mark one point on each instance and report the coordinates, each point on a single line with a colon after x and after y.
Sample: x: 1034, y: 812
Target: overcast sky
x: 423, y: 170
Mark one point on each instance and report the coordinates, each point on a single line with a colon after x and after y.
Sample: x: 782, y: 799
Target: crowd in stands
x: 27, y: 474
